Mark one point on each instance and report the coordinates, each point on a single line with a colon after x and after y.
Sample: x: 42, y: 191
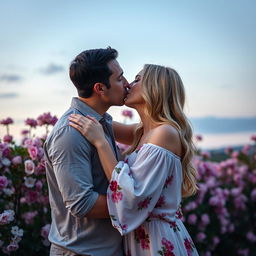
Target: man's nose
x: 126, y: 84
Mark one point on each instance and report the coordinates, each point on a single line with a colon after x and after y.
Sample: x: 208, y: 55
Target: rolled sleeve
x: 70, y: 155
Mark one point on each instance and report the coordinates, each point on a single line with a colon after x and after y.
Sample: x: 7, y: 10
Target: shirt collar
x: 84, y: 109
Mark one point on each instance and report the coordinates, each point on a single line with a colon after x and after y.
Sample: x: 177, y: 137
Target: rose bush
x: 221, y: 218
x: 24, y: 205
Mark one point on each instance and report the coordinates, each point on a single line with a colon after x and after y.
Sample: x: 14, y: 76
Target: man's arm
x: 124, y: 133
x: 71, y: 160
x: 99, y: 209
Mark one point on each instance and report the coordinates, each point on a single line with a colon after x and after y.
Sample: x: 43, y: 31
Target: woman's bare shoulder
x: 166, y: 136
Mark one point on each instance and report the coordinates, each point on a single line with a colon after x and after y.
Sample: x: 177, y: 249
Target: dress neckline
x: 157, y: 146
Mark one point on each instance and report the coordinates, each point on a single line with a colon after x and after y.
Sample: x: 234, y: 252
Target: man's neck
x: 98, y: 106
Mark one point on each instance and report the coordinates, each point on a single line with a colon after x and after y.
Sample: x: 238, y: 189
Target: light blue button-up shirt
x: 75, y: 179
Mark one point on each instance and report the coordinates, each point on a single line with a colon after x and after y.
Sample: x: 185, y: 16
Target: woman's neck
x: 148, y: 124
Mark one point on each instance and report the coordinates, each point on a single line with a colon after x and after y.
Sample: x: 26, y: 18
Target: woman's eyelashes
x: 136, y: 81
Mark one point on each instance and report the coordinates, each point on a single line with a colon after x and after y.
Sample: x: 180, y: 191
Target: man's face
x: 117, y: 92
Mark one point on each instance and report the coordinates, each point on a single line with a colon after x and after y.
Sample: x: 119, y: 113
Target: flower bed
x: 221, y: 218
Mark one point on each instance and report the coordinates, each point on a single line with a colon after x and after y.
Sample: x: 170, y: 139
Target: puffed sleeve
x: 134, y: 190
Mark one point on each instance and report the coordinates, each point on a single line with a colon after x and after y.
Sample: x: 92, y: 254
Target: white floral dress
x: 144, y: 196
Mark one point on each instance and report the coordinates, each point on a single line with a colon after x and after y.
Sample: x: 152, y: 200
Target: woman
x: 146, y: 189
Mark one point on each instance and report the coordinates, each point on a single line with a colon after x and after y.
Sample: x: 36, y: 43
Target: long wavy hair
x: 164, y: 95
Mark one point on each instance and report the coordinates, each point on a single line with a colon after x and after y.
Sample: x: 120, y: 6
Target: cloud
x: 12, y: 78
x: 52, y: 69
x: 8, y: 95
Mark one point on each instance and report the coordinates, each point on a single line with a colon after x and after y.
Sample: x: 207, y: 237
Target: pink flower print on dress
x: 189, y: 246
x: 160, y: 202
x: 142, y: 238
x: 116, y: 194
x: 167, y: 248
x: 179, y: 214
x: 168, y: 181
x: 123, y: 227
x: 144, y: 204
x: 113, y: 186
x: 174, y: 226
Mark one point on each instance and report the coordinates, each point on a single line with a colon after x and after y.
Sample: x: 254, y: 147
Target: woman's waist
x: 165, y: 216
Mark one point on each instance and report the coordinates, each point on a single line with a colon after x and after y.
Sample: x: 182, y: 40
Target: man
x: 77, y: 183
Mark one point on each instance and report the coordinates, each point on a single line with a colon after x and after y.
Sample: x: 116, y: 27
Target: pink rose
x: 45, y: 230
x: 32, y: 197
x: 29, y: 217
x: 6, y: 121
x: 6, y: 217
x: 29, y: 167
x: 17, y: 160
x: 24, y: 132
x: 192, y: 218
x: 199, y: 137
x: 33, y: 151
x: 31, y: 122
x: 13, y: 246
x: 39, y: 185
x: 253, y: 138
x: 251, y: 237
x: 46, y: 119
x: 215, y: 240
x: 200, y: 236
x: 235, y: 154
x: 205, y: 219
x: 7, y: 138
x: 205, y: 154
x: 3, y: 182
x: 127, y: 113
x: 253, y: 195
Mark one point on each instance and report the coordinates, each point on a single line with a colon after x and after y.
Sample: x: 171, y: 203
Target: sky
x: 210, y: 43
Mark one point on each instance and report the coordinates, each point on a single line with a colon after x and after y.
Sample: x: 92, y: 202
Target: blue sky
x: 210, y: 43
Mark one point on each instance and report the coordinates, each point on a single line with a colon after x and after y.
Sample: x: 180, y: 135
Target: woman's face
x: 134, y: 97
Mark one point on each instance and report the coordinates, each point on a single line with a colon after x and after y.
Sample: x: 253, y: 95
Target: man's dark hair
x: 90, y: 67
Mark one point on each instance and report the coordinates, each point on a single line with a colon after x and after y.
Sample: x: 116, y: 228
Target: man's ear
x: 99, y: 88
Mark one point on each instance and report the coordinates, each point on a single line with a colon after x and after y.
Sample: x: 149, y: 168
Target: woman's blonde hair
x: 164, y: 95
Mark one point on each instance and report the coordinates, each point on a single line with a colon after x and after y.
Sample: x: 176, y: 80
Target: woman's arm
x: 124, y: 133
x: 107, y: 158
x: 93, y: 131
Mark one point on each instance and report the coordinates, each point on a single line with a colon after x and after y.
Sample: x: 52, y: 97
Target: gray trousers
x: 59, y: 251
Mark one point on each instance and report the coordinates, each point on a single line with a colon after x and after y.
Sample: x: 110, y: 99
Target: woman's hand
x: 89, y: 127
x: 93, y: 131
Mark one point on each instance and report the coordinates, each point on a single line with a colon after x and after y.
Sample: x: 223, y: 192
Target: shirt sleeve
x: 70, y: 155
x: 135, y: 190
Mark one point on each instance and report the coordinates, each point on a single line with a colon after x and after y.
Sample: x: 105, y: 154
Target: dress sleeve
x: 135, y: 190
